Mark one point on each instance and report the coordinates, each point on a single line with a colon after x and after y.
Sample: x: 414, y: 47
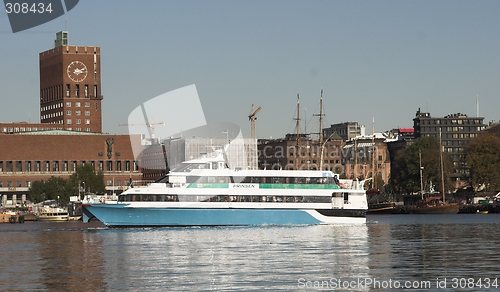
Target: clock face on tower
x: 77, y: 71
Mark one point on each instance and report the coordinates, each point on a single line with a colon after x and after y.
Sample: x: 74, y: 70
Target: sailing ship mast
x: 442, y: 164
x: 374, y: 181
x: 297, y: 133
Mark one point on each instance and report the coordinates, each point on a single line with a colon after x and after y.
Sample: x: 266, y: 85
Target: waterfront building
x: 240, y: 154
x: 28, y: 157
x: 455, y: 131
x: 346, y: 130
x: 70, y: 86
x: 302, y: 153
x: 69, y: 133
x: 367, y: 157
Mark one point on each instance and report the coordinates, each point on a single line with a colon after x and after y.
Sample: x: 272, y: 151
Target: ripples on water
x: 73, y: 256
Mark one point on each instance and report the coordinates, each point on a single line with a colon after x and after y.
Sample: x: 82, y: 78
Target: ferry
x: 206, y: 192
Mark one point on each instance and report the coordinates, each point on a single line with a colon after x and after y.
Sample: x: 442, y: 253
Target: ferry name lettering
x: 246, y: 186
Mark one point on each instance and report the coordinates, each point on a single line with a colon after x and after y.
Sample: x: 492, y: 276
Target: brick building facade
x: 28, y: 157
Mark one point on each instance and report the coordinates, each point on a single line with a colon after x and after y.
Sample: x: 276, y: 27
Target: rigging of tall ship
x: 206, y: 192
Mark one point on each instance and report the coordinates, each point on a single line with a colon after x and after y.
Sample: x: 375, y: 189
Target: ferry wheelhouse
x: 205, y: 192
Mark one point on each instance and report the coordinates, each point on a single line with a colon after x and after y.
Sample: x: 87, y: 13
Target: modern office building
x: 346, y: 130
x: 454, y: 131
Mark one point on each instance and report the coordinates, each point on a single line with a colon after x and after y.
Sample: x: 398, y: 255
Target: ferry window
x: 346, y: 196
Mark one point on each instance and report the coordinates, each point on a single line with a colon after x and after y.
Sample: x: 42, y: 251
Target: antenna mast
x: 477, y: 106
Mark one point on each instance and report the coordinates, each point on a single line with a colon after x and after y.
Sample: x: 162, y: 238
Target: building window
x: 78, y: 129
x: 73, y: 165
x: 27, y: 166
x: 68, y: 104
x: 28, y: 183
x: 78, y: 121
x: 37, y: 166
x: 65, y: 165
x: 87, y: 122
x: 46, y: 165
x: 109, y: 165
x: 19, y: 166
x: 127, y: 165
x: 77, y: 104
x: 8, y: 166
x: 109, y: 182
x: 118, y: 165
x: 87, y: 129
x: 68, y: 122
x: 87, y: 104
x: 68, y: 113
x: 87, y: 113
x: 67, y: 90
x: 101, y: 165
x: 9, y: 183
x: 18, y: 183
x: 77, y: 113
x: 118, y: 182
x: 95, y: 90
x: 77, y: 90
x: 86, y: 90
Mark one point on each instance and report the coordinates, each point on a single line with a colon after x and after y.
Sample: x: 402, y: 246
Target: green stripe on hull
x: 208, y: 186
x: 300, y: 186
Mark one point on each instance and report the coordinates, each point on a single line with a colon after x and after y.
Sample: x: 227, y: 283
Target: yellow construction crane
x: 252, y: 118
x: 150, y: 125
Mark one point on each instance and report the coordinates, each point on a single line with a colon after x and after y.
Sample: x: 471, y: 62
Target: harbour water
x: 422, y: 252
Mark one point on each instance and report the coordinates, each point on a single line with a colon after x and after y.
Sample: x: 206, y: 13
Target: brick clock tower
x: 70, y: 86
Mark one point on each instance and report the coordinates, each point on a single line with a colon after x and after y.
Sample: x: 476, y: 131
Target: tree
x: 94, y: 182
x: 55, y: 188
x: 483, y: 159
x: 405, y: 175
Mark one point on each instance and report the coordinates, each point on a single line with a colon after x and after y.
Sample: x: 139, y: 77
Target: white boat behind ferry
x: 205, y: 192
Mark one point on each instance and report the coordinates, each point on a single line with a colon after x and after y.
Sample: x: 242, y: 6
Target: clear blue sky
x: 381, y: 59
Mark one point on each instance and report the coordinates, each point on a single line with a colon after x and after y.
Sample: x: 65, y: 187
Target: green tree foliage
x: 483, y: 159
x: 94, y: 182
x: 65, y: 188
x: 55, y: 188
x: 405, y: 175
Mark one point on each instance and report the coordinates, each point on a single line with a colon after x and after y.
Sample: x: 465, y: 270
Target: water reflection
x: 73, y: 257
x: 50, y: 256
x: 235, y: 258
